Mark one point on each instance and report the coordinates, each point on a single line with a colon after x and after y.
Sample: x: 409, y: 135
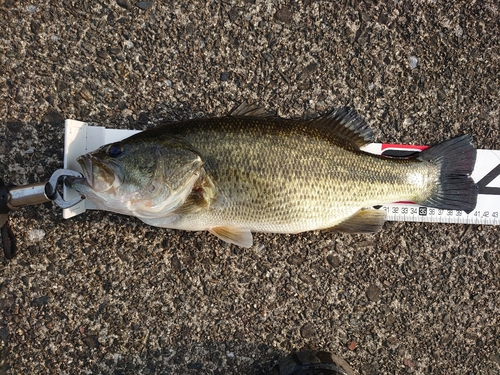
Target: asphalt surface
x: 106, y: 294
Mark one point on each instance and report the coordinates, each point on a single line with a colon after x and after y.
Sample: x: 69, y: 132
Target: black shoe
x: 312, y: 362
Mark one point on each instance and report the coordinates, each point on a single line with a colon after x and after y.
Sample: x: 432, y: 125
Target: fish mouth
x: 86, y: 165
x: 100, y: 176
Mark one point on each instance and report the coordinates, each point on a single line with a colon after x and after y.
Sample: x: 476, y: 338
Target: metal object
x: 27, y: 195
x: 13, y: 197
x: 53, y: 188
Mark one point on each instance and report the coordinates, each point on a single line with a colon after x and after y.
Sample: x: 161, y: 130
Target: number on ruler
x: 481, y: 185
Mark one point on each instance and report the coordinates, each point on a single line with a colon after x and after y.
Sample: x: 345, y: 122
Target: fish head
x: 143, y: 178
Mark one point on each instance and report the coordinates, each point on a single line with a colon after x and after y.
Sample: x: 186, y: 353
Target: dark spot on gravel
x: 115, y: 50
x: 296, y: 260
x: 373, y: 292
x: 383, y: 18
x: 144, y: 5
x: 4, y: 334
x: 284, y: 15
x: 308, y: 71
x: 308, y: 331
x: 333, y: 260
x: 369, y: 369
x: 195, y: 366
x: 124, y: 4
x: 143, y: 118
x: 176, y: 263
x: 91, y: 341
x: 233, y: 14
x: 14, y: 126
x: 495, y: 357
x: 40, y: 301
x: 53, y: 118
x: 304, y: 277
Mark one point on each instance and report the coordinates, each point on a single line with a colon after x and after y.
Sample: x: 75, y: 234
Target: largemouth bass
x: 251, y: 171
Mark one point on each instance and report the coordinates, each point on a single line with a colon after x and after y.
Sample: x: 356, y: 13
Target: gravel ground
x: 106, y: 294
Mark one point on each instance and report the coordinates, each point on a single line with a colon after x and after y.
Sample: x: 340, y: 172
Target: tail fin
x: 456, y: 159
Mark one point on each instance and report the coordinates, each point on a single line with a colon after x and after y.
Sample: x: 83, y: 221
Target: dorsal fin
x: 347, y: 125
x: 250, y: 110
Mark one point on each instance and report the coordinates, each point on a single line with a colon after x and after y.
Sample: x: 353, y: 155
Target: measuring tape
x: 81, y: 138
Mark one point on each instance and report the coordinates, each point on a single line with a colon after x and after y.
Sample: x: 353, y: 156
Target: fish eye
x: 114, y: 150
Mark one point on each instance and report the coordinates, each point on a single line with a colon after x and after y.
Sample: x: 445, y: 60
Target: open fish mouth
x: 86, y: 164
x: 100, y: 176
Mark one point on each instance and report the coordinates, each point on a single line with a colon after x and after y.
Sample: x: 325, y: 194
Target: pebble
x: 373, y: 292
x: 333, y: 260
x: 144, y: 5
x: 124, y: 4
x: 115, y: 50
x: 175, y: 263
x: 233, y: 14
x: 36, y: 235
x: 409, y: 362
x: 53, y: 117
x: 40, y: 301
x: 308, y: 330
x: 284, y: 15
x: 14, y: 126
x: 296, y: 260
x: 495, y: 357
x: 413, y: 62
x: 4, y: 334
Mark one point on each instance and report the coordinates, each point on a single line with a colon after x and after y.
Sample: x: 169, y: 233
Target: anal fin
x: 363, y: 221
x: 235, y: 235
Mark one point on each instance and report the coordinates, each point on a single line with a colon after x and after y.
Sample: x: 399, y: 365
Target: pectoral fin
x: 363, y: 221
x: 236, y: 235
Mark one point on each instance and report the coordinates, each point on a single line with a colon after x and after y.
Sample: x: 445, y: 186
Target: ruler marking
x: 482, y: 185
